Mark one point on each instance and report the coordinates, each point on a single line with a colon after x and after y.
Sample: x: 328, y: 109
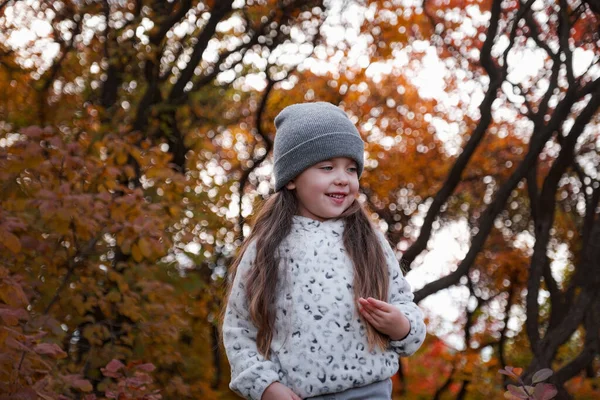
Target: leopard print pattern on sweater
x: 319, y: 344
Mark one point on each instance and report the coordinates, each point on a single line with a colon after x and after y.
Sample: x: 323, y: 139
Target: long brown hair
x: 272, y: 224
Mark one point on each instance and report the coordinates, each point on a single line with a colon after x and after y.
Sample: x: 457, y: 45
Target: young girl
x: 318, y: 307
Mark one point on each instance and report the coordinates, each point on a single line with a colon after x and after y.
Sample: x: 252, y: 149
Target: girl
x: 318, y: 307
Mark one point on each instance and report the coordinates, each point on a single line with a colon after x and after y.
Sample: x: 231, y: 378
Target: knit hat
x: 309, y: 133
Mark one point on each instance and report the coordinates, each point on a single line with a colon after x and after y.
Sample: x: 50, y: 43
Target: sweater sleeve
x: 401, y: 296
x: 251, y: 373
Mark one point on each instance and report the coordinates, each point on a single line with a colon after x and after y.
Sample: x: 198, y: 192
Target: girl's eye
x: 353, y: 169
x: 327, y: 168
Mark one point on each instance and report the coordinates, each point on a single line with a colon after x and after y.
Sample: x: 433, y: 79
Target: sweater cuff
x: 262, y: 383
x: 413, y: 340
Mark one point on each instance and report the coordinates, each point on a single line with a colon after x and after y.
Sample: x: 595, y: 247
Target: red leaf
x: 15, y: 344
x: 11, y: 316
x: 49, y: 349
x: 78, y: 382
x: 544, y: 391
x: 112, y: 369
x: 148, y: 367
x: 114, y: 365
x: 508, y: 370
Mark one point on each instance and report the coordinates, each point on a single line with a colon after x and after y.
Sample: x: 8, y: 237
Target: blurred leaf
x: 50, y: 349
x: 541, y: 375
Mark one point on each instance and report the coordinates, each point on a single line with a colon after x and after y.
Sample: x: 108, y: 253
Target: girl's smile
x: 326, y: 189
x: 337, y: 198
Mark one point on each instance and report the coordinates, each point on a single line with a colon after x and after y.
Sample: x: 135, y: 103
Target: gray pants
x: 381, y: 390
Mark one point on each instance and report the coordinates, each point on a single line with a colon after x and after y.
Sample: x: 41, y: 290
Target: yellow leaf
x: 136, y: 253
x: 13, y: 295
x: 121, y: 158
x: 10, y: 241
x: 126, y: 246
x: 113, y: 296
x: 83, y: 384
x: 145, y: 248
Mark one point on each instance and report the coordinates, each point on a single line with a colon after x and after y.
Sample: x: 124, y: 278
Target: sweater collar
x: 313, y: 225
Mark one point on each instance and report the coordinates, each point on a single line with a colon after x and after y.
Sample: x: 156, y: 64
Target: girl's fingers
x: 370, y: 317
x: 381, y: 305
x: 364, y: 312
x: 373, y: 309
x: 295, y: 396
x: 377, y: 312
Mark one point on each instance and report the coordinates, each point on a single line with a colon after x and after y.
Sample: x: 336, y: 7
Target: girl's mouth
x: 337, y: 198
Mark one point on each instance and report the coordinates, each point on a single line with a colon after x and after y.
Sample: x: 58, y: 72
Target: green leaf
x: 541, y: 375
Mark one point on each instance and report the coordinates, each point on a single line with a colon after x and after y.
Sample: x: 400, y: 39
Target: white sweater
x: 319, y: 344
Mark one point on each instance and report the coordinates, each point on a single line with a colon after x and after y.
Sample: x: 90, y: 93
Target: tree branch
x: 536, y: 145
x: 544, y: 224
x: 219, y: 11
x: 485, y: 109
x: 591, y: 347
x: 445, y: 385
x: 74, y: 261
x: 268, y: 145
x: 110, y: 86
x: 159, y: 35
x: 564, y: 28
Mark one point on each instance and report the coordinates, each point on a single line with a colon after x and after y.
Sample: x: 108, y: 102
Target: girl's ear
x: 291, y: 185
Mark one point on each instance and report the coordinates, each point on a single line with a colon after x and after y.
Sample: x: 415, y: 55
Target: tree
x: 120, y: 214
x: 114, y: 211
x: 544, y: 126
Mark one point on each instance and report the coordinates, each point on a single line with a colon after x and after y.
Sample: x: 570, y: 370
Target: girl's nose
x: 341, y: 179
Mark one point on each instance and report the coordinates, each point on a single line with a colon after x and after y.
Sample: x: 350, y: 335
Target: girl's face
x: 326, y: 189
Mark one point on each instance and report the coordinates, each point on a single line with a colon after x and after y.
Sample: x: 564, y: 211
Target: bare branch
x: 73, y: 262
x: 536, y: 145
x: 591, y: 347
x: 535, y: 35
x: 546, y: 218
x: 502, y: 341
x: 445, y: 385
x: 111, y: 85
x: 530, y: 113
x: 268, y: 145
x: 50, y: 76
x: 485, y: 109
x: 219, y: 11
x: 563, y: 36
x: 159, y: 35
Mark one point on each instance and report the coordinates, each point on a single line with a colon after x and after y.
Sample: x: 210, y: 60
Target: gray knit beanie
x: 309, y: 133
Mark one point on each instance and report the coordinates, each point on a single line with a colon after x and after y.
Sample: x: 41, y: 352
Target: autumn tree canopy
x: 135, y: 141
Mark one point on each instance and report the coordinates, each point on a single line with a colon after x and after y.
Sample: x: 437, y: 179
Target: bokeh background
x: 135, y: 141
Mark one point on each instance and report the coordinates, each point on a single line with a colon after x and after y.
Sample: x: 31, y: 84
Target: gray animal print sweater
x: 319, y: 344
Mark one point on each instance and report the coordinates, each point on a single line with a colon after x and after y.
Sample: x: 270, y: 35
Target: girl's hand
x: 277, y: 391
x: 386, y: 318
